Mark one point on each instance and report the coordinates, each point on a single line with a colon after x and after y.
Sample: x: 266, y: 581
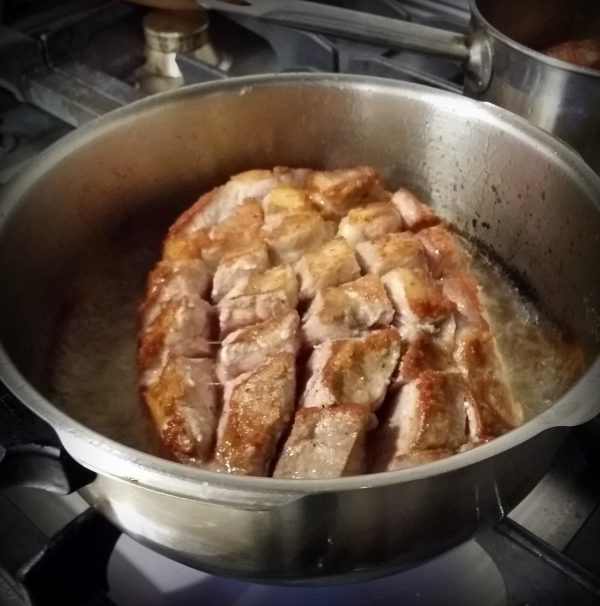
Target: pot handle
x: 31, y: 454
x: 346, y: 23
x: 474, y: 51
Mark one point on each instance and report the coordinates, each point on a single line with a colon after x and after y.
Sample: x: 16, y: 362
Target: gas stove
x: 65, y: 63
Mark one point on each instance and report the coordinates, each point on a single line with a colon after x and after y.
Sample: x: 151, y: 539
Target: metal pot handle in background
x: 474, y: 51
x: 31, y: 454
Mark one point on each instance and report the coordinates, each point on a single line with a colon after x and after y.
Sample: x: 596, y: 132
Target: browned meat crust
x: 376, y: 290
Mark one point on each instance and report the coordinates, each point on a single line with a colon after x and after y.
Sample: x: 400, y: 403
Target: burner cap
x: 168, y: 31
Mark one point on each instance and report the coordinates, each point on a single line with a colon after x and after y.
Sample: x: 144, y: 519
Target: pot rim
x: 155, y: 469
x: 537, y: 55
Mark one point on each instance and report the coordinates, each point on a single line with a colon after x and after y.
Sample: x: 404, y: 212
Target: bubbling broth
x: 95, y: 376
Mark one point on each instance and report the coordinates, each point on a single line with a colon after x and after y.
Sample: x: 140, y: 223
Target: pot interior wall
x: 537, y: 211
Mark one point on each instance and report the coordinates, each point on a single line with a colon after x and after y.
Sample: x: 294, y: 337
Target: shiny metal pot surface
x: 561, y: 98
x: 536, y: 204
x: 501, y: 54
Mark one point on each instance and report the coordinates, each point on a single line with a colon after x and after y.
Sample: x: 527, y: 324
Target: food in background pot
x: 585, y: 53
x: 308, y: 324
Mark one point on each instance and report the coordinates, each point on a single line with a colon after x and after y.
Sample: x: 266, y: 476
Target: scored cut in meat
x: 428, y: 413
x: 369, y: 222
x: 237, y: 266
x: 331, y: 264
x: 246, y: 348
x: 417, y: 299
x: 335, y: 192
x: 258, y: 297
x: 291, y: 235
x: 352, y: 370
x: 390, y: 252
x: 364, y: 295
x: 338, y: 312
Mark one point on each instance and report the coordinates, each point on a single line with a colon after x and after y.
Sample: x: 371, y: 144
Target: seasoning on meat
x: 168, y: 281
x: 415, y: 215
x: 369, y: 222
x: 391, y: 251
x: 233, y: 235
x: 184, y: 406
x: 424, y: 352
x: 246, y: 348
x: 285, y: 199
x: 428, y: 413
x: 417, y: 299
x: 344, y: 311
x: 292, y: 235
x: 258, y: 297
x: 325, y: 443
x: 335, y: 192
x: 175, y: 317
x: 259, y: 407
x: 236, y: 266
x: 261, y: 279
x: 352, y: 370
x: 446, y: 257
x: 331, y: 264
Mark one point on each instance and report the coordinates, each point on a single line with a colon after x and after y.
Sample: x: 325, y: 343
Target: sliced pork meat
x: 325, y: 274
x: 183, y: 327
x: 339, y: 312
x: 259, y: 407
x: 424, y: 352
x: 415, y: 214
x: 391, y: 251
x: 235, y: 267
x: 184, y: 406
x: 585, y: 53
x: 286, y: 200
x: 246, y: 348
x: 491, y: 408
x: 417, y: 299
x: 427, y: 413
x: 172, y: 281
x: 292, y: 235
x: 325, y: 443
x: 335, y: 192
x: 245, y: 310
x: 216, y: 206
x: 369, y: 222
x: 332, y: 264
x: 354, y: 371
x: 446, y: 257
x: 475, y: 352
x: 463, y: 291
x: 239, y: 230
x: 258, y: 297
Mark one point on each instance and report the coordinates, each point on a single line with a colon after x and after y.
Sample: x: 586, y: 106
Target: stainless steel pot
x: 500, y: 54
x: 535, y: 201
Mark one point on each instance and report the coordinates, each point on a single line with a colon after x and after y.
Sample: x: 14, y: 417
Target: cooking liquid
x: 95, y: 373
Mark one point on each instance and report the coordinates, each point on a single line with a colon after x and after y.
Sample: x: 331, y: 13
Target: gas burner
x: 170, y: 35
